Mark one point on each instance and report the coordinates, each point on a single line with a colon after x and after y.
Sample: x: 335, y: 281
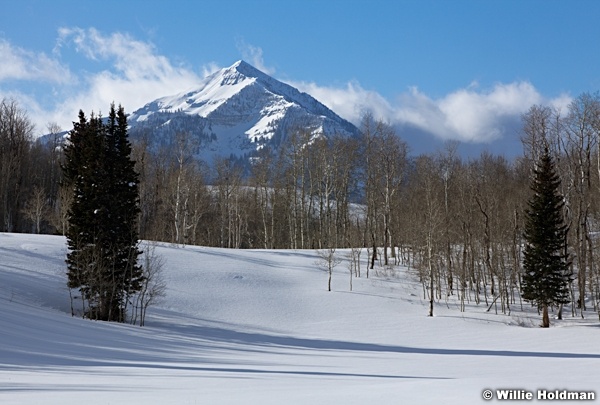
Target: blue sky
x: 463, y: 70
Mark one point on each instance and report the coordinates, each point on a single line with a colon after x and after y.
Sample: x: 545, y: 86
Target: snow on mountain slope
x: 212, y: 93
x: 259, y: 327
x: 236, y: 111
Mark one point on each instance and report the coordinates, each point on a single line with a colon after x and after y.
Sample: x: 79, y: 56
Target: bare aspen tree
x: 537, y: 125
x: 297, y: 186
x: 392, y: 158
x: 369, y: 178
x: 345, y: 164
x: 198, y: 205
x: 486, y: 205
x: 448, y: 163
x: 384, y: 163
x: 36, y: 208
x: 228, y: 184
x: 262, y: 180
x: 352, y: 264
x: 580, y: 140
x: 328, y: 260
x: 16, y: 131
x: 54, y: 148
x: 59, y: 218
x: 433, y: 221
x: 465, y: 257
x: 321, y: 190
x: 182, y: 187
x: 153, y: 285
x: 332, y: 174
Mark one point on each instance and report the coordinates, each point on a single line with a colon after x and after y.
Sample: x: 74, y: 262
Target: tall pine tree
x: 546, y: 261
x: 102, y: 234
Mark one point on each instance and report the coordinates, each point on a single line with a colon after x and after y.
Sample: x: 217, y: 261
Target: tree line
x: 458, y: 223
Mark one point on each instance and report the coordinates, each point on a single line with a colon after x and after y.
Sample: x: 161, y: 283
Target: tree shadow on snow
x: 265, y: 341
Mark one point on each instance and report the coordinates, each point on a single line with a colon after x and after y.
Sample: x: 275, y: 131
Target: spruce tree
x: 546, y: 262
x: 102, y: 234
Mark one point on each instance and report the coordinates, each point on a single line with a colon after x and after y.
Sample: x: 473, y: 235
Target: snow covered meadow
x: 260, y: 327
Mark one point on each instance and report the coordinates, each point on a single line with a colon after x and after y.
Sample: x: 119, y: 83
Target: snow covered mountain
x: 235, y: 112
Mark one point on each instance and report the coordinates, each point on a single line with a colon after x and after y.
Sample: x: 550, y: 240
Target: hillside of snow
x: 260, y: 327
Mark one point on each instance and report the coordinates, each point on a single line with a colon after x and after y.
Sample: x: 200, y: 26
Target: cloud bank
x: 128, y: 71
x: 254, y: 55
x: 22, y: 65
x: 136, y: 73
x: 133, y: 72
x: 469, y: 115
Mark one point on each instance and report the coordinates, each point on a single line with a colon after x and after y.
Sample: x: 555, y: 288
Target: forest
x: 460, y: 222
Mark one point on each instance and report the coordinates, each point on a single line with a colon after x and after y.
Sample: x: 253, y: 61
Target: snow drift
x: 259, y: 327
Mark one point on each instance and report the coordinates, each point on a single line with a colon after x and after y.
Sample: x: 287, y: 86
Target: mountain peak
x: 236, y: 73
x: 241, y: 64
x: 241, y: 70
x: 237, y: 111
x: 246, y: 69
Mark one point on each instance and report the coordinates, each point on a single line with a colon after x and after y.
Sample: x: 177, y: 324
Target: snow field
x: 260, y: 327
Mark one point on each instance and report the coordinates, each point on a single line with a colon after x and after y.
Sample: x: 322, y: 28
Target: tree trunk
x: 431, y: 276
x: 374, y: 257
x: 545, y: 317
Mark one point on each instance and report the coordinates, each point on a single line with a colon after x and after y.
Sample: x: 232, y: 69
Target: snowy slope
x: 236, y: 111
x: 259, y: 327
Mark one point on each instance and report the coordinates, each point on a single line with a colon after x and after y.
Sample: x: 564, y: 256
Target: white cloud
x: 254, y: 56
x: 466, y: 115
x: 349, y: 102
x: 209, y: 69
x: 120, y: 69
x: 470, y: 115
x: 20, y: 64
x: 137, y: 73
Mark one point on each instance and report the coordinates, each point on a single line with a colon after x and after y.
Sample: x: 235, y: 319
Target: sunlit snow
x: 259, y: 327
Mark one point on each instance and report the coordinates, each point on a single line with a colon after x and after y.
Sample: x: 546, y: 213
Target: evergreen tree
x: 546, y: 262
x: 102, y: 234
